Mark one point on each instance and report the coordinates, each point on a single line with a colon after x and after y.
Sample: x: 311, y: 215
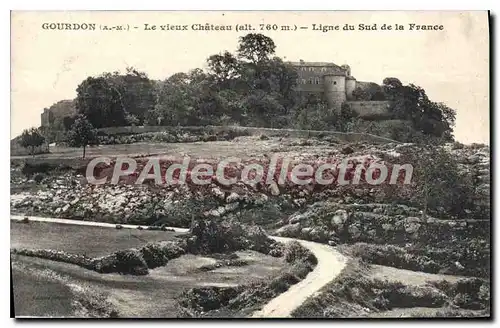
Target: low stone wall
x: 342, y: 136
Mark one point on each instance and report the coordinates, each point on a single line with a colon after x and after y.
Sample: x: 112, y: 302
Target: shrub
x: 468, y: 293
x: 38, y: 177
x: 32, y: 138
x: 210, y: 138
x: 209, y: 236
x: 393, y: 256
x: 30, y: 169
x: 158, y: 254
x: 295, y: 252
x: 281, y: 283
x: 59, y: 256
x: 128, y: 261
x: 153, y: 255
x: 207, y: 298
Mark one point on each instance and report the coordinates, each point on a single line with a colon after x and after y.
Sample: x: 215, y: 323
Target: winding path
x: 330, y: 264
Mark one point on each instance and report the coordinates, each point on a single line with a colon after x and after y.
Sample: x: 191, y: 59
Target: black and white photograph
x: 250, y: 164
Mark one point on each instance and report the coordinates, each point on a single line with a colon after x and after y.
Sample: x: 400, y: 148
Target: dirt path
x: 84, y: 223
x: 330, y: 264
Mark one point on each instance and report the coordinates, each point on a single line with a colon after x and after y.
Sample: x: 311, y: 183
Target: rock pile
x: 377, y: 223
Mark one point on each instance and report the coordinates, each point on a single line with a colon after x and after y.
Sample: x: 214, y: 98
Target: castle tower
x: 350, y: 81
x: 350, y: 85
x: 335, y: 90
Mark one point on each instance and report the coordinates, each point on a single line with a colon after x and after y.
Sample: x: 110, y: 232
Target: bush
x: 158, y: 254
x: 59, y: 256
x: 281, y: 283
x: 128, y: 261
x: 295, y: 252
x: 207, y: 298
x: 38, y: 177
x: 210, y: 138
x: 469, y: 293
x: 30, y: 169
x: 393, y: 256
x: 209, y: 236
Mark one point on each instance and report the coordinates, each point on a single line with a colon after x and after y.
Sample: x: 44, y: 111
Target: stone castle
x: 334, y: 82
x: 337, y: 85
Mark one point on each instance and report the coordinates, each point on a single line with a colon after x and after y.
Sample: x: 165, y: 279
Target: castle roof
x: 316, y: 64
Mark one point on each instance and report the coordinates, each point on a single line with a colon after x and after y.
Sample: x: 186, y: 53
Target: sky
x: 451, y: 64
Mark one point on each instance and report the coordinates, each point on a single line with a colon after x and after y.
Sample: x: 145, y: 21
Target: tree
x: 437, y: 186
x: 262, y: 109
x: 101, y: 102
x: 391, y: 86
x: 275, y: 76
x: 314, y: 117
x: 410, y: 102
x: 68, y: 121
x: 223, y: 67
x: 255, y: 47
x: 132, y: 120
x: 369, y: 91
x: 137, y: 91
x: 360, y: 94
x: 175, y: 101
x: 32, y: 138
x: 82, y: 133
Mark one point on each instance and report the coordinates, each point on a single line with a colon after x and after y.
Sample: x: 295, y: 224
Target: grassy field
x: 86, y: 240
x: 242, y: 147
x: 48, y: 288
x: 40, y: 296
x: 153, y: 295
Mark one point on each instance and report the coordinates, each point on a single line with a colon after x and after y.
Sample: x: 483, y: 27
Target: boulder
x: 412, y: 227
x: 387, y: 227
x: 290, y: 230
x: 339, y: 219
x: 354, y: 231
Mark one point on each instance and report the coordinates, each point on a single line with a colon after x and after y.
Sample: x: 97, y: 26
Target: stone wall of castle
x: 370, y: 109
x: 47, y: 117
x: 334, y: 89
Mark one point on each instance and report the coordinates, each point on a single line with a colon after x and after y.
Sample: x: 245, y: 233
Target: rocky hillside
x: 451, y: 236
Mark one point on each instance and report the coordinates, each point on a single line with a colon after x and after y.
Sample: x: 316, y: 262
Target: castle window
x: 334, y: 82
x: 310, y: 81
x: 316, y: 80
